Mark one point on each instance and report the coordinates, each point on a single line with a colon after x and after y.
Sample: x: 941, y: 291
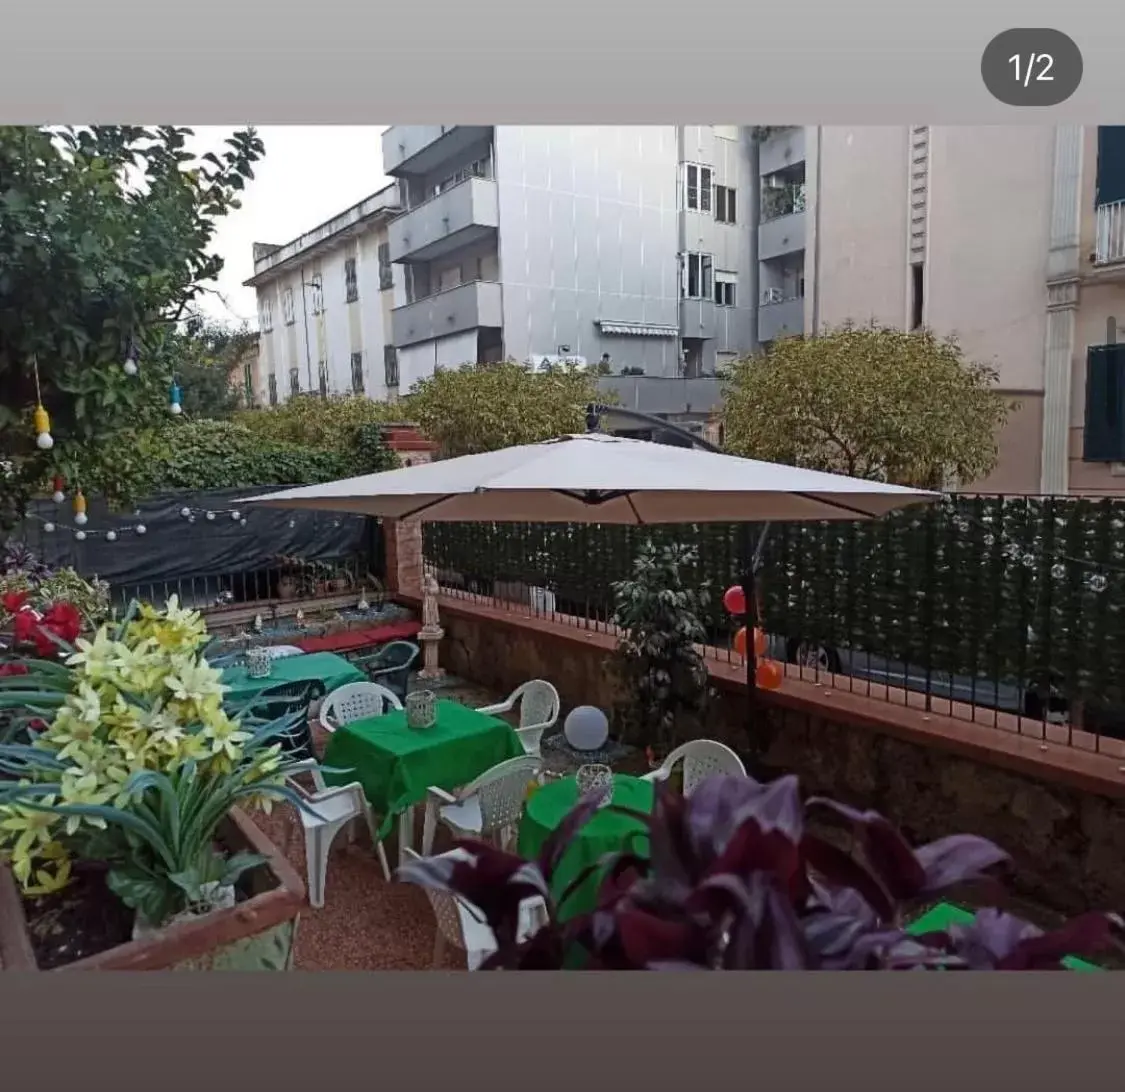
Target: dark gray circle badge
x: 1031, y: 66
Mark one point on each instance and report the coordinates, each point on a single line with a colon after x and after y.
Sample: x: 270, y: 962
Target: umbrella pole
x: 752, y: 555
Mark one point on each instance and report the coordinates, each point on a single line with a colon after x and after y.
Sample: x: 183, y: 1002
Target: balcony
x: 458, y: 217
x: 782, y: 150
x: 1109, y: 248
x: 697, y: 318
x: 782, y: 227
x: 466, y: 307
x: 781, y: 318
x: 420, y: 149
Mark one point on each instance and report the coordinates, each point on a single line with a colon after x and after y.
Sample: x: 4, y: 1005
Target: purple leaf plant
x: 734, y: 880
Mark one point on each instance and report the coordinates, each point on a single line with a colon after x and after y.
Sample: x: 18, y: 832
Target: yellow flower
x: 86, y: 704
x: 82, y: 788
x: 95, y: 659
x: 32, y: 828
x: 195, y: 681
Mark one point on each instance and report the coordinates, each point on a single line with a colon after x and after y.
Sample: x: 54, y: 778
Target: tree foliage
x: 869, y: 401
x: 203, y: 356
x: 104, y: 245
x: 661, y: 674
x: 484, y: 407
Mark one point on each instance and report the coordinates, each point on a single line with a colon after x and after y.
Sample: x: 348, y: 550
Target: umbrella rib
x: 423, y: 507
x: 836, y: 504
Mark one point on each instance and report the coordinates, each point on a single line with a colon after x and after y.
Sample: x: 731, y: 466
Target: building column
x: 1063, y: 267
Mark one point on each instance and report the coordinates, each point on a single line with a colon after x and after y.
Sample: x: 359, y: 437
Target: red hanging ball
x: 734, y: 600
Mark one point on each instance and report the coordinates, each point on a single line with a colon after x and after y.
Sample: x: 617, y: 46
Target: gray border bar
x: 337, y: 61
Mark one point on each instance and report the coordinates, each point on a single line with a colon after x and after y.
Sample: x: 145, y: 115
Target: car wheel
x: 806, y: 654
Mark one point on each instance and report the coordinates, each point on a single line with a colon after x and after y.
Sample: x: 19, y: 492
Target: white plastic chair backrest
x: 702, y: 758
x: 281, y: 652
x: 445, y: 908
x: 502, y: 791
x: 356, y: 701
x: 539, y: 703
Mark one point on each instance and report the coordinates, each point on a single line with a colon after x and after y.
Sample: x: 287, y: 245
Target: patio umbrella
x: 597, y: 478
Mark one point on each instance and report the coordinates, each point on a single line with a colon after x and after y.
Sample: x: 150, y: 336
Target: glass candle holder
x: 595, y: 778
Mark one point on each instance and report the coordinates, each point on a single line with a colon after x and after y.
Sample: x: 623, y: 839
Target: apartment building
x: 1010, y: 237
x: 325, y: 302
x: 621, y: 246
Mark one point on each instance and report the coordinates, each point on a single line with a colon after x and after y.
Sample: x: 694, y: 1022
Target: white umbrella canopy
x: 597, y: 478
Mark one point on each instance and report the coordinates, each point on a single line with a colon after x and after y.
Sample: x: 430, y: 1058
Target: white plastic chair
x: 539, y: 710
x: 354, y: 702
x: 461, y: 925
x: 489, y: 807
x: 282, y: 652
x: 335, y: 809
x: 702, y: 758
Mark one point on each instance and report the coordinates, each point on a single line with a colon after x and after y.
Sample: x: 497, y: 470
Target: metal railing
x: 1110, y: 245
x: 1004, y: 611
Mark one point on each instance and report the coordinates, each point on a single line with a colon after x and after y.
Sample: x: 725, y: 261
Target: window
x: 386, y: 272
x: 1103, y: 439
x: 917, y: 296
x: 696, y: 273
x: 697, y: 187
x: 266, y: 318
x: 390, y: 365
x: 322, y: 375
x: 725, y: 202
x: 287, y: 307
x: 351, y: 284
x: 317, y: 286
x: 294, y: 380
x: 357, y: 373
x: 248, y: 383
x: 273, y: 390
x: 725, y: 289
x: 479, y: 168
x: 1110, y: 186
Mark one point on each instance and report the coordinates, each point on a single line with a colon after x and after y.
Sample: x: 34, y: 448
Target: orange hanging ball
x: 740, y: 642
x: 769, y: 674
x: 759, y: 642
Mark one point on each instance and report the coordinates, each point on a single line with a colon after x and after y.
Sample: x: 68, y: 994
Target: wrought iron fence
x: 1001, y: 610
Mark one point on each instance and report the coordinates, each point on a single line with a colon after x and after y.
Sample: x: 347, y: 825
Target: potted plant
x: 121, y: 813
x: 660, y: 673
x: 735, y: 880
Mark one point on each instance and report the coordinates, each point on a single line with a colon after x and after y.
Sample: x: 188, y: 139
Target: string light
x: 130, y: 364
x: 58, y: 484
x: 40, y: 420
x: 80, y: 516
x: 175, y: 398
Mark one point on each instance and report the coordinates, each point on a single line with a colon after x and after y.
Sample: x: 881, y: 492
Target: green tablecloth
x: 945, y: 914
x: 607, y: 832
x: 396, y: 764
x: 324, y: 667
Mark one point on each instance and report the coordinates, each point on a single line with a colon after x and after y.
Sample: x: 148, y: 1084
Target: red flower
x: 13, y: 669
x: 25, y: 625
x: 64, y: 619
x: 13, y: 601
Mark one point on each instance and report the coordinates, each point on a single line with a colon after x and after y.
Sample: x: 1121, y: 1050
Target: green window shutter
x: 1104, y: 434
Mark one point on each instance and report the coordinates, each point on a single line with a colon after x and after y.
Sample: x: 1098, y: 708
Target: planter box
x: 254, y: 935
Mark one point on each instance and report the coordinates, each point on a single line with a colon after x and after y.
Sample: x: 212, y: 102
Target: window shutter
x: 1103, y: 438
x: 1111, y: 164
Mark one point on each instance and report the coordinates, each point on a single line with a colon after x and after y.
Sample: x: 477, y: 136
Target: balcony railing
x: 1110, y: 246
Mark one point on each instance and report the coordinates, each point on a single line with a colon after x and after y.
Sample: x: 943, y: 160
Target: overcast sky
x: 309, y: 173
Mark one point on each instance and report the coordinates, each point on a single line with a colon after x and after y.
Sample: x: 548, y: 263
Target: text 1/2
x: 1038, y: 67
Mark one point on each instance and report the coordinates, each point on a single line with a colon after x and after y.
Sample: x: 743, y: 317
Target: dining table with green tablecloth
x: 396, y: 764
x: 326, y: 668
x: 607, y: 832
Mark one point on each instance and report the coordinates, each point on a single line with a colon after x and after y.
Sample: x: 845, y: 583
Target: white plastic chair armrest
x: 496, y: 710
x: 325, y: 723
x: 440, y: 797
x: 661, y: 774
